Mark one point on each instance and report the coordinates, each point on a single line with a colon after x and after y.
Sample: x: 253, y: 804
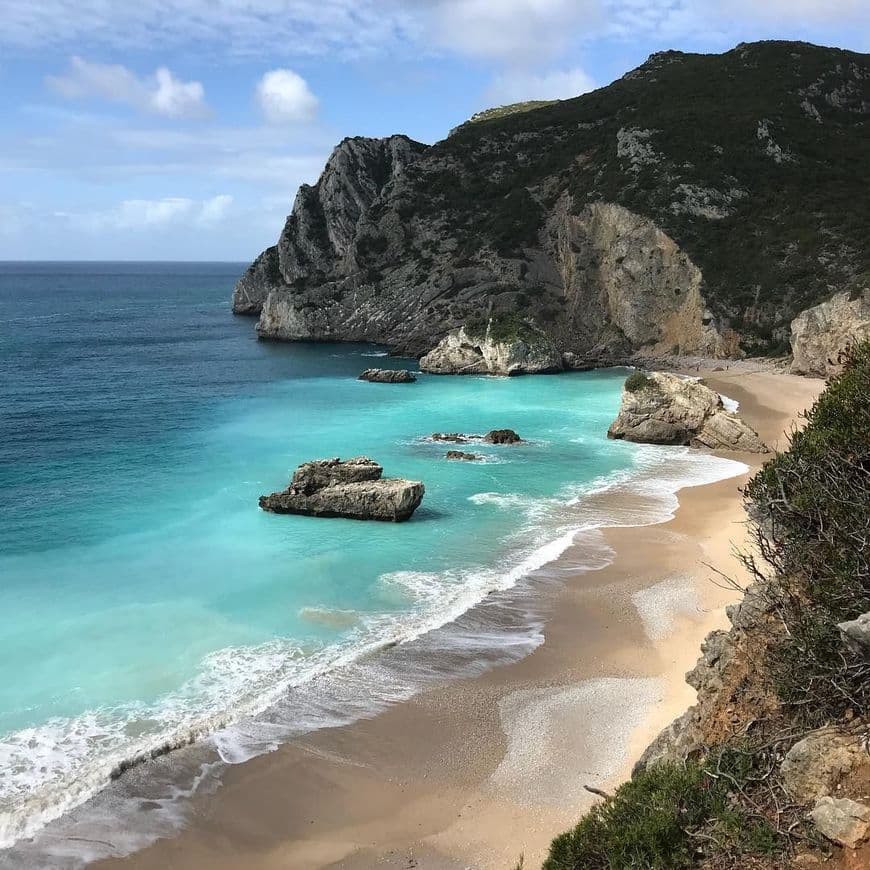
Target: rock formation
x: 662, y: 408
x: 462, y: 456
x: 353, y: 488
x: 822, y: 335
x: 502, y: 436
x: 592, y: 218
x: 387, y: 376
x: 523, y: 350
x: 842, y: 820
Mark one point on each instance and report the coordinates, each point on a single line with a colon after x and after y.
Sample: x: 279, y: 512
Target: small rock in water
x: 387, y: 376
x: 462, y: 455
x: 353, y: 489
x: 454, y: 437
x: 502, y: 436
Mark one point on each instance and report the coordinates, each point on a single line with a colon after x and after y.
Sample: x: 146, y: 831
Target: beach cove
x: 478, y: 771
x: 164, y: 635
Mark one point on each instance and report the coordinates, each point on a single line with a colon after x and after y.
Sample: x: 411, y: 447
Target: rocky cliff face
x: 525, y: 350
x: 695, y: 206
x: 820, y: 336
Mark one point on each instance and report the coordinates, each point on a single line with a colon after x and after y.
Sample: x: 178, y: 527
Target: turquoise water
x: 144, y: 597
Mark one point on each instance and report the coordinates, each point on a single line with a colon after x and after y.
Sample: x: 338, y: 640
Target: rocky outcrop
x: 387, y: 376
x: 260, y: 279
x: 462, y: 456
x: 856, y: 633
x: 816, y: 765
x: 662, y: 408
x: 502, y: 436
x: 525, y: 349
x: 822, y: 335
x: 589, y: 219
x: 841, y: 820
x: 353, y: 488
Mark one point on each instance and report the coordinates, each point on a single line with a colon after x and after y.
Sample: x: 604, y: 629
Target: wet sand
x: 479, y: 771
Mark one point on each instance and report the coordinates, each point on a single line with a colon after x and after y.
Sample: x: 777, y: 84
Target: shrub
x: 811, y: 518
x: 662, y: 818
x: 638, y: 381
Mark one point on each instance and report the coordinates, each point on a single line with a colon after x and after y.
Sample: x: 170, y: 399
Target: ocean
x: 147, y: 603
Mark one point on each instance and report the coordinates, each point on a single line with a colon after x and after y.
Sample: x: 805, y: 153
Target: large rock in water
x: 353, y: 488
x: 387, y: 376
x: 820, y: 336
x: 661, y: 408
x: 495, y: 350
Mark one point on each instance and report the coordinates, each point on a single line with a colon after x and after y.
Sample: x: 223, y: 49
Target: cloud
x: 284, y: 96
x: 160, y: 94
x: 150, y: 214
x: 342, y: 28
x: 513, y: 30
x: 519, y: 86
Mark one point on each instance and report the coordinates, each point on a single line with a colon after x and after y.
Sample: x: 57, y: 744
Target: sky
x: 181, y: 129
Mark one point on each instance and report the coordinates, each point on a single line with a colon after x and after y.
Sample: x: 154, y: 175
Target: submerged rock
x: 499, y: 349
x: 453, y: 437
x: 462, y: 455
x: 822, y: 335
x: 502, y: 436
x: 353, y: 488
x: 387, y: 376
x: 662, y: 408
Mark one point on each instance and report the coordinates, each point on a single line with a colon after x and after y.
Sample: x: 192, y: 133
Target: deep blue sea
x: 144, y: 597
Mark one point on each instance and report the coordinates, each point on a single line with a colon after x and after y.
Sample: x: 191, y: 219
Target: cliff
x: 697, y: 205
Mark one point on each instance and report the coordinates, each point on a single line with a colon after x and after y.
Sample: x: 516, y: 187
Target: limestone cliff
x: 695, y: 206
x: 820, y: 336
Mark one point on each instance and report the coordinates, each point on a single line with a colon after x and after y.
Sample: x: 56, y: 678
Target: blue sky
x: 180, y: 129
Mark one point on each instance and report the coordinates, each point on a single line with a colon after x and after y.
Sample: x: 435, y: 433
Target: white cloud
x: 151, y: 214
x: 161, y: 93
x: 284, y: 96
x: 215, y: 209
x: 519, y: 86
x: 513, y: 30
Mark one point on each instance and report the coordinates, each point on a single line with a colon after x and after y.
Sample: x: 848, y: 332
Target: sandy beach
x: 478, y: 771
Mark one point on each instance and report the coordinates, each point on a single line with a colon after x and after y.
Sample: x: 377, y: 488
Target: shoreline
x: 481, y: 769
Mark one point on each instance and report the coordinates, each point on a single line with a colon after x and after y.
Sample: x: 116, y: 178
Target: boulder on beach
x: 462, y: 456
x: 387, y: 376
x: 663, y: 408
x: 353, y: 488
x: 502, y: 436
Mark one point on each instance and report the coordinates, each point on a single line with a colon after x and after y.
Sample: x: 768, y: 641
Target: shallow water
x: 144, y: 598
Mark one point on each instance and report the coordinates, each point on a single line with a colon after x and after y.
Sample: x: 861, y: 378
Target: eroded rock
x: 353, y: 488
x: 856, y: 633
x: 524, y: 349
x: 662, y: 408
x: 502, y: 436
x: 388, y: 376
x: 820, y: 336
x: 816, y: 765
x: 462, y: 456
x: 842, y: 820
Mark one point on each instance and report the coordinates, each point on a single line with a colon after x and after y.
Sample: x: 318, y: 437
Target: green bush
x: 638, y: 381
x: 664, y: 818
x: 811, y: 515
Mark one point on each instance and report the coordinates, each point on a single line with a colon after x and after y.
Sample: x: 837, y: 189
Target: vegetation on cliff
x: 728, y: 804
